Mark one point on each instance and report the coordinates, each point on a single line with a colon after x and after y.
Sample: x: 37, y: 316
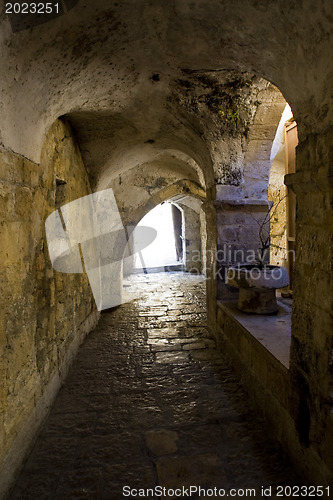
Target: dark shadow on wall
x: 25, y: 15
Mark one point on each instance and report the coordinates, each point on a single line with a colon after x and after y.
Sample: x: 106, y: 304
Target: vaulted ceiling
x: 166, y: 82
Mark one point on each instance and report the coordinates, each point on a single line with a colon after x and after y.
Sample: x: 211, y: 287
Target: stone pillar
x: 192, y: 239
x: 311, y: 364
x: 208, y: 243
x: 238, y: 223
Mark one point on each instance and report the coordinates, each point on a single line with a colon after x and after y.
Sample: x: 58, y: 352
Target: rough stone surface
x: 238, y: 241
x: 132, y: 65
x: 162, y: 442
x: 166, y: 99
x: 124, y: 419
x: 312, y: 340
x: 39, y: 333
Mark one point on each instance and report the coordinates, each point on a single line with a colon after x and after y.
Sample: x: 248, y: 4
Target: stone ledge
x: 272, y: 331
x: 308, y: 181
x: 267, y: 381
x: 243, y: 204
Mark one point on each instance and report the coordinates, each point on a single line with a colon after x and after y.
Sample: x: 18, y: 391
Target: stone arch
x: 257, y: 160
x: 206, y: 224
x: 181, y: 187
x: 237, y: 36
x: 178, y: 190
x: 100, y: 60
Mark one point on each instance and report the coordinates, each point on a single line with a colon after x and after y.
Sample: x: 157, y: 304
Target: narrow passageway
x: 149, y: 401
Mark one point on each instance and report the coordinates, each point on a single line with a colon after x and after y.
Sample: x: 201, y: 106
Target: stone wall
x: 238, y: 241
x: 268, y: 384
x: 312, y: 320
x: 298, y: 403
x: 44, y: 314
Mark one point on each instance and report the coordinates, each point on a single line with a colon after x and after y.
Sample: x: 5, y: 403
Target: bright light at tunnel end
x: 87, y: 235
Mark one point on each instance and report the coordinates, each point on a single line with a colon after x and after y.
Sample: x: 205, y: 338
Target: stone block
x: 173, y: 358
x: 190, y: 470
x: 161, y: 442
x: 263, y: 131
x: 314, y: 247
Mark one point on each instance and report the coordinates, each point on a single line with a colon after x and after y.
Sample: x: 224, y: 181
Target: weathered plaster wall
x: 236, y: 115
x: 44, y: 314
x: 136, y: 188
x: 130, y: 65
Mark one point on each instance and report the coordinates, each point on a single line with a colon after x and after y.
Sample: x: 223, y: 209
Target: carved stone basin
x: 257, y: 286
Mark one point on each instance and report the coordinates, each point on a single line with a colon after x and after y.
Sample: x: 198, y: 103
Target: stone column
x: 311, y: 364
x: 208, y: 245
x: 238, y: 223
x: 192, y: 238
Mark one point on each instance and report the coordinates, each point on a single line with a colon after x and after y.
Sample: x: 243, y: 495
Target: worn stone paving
x: 149, y: 401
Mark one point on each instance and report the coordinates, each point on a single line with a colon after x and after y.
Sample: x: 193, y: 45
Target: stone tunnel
x: 223, y: 110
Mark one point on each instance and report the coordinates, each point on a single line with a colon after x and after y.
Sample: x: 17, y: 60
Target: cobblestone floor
x: 149, y: 401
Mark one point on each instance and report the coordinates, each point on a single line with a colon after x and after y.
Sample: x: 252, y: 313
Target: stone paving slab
x: 149, y: 401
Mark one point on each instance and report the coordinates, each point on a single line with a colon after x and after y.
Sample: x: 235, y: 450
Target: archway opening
x: 282, y: 199
x: 165, y: 251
